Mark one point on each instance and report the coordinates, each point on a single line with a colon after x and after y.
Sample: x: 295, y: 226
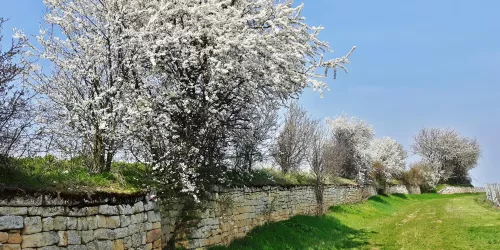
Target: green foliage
x: 49, y: 173
x: 427, y: 221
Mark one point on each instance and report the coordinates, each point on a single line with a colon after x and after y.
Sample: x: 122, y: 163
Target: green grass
x: 50, y: 174
x: 428, y: 221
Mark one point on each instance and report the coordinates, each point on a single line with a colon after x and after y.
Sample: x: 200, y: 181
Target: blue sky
x: 418, y: 64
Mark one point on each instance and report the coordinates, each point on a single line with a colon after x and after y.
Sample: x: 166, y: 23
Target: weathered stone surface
x: 40, y: 239
x: 77, y: 247
x: 13, y: 211
x: 15, y: 238
x: 125, y: 209
x: 72, y: 223
x: 125, y: 220
x: 92, y: 211
x: 138, y: 207
x: 127, y: 242
x: 47, y: 224
x: 19, y: 201
x: 112, y: 221
x: 87, y: 236
x: 50, y: 248
x: 136, y: 240
x: 93, y: 222
x: 77, y: 211
x: 60, y: 223
x: 118, y: 245
x: 104, y: 234
x: 154, y: 216
x: 46, y: 211
x: 157, y: 244
x: 137, y: 218
x: 156, y: 225
x: 148, y: 246
x: 74, y: 238
x: 32, y: 225
x: 63, y: 238
x: 4, y: 237
x: 108, y: 210
x: 100, y: 245
x: 11, y: 222
x: 82, y: 224
x: 153, y: 235
x: 150, y: 205
x: 121, y: 232
x: 11, y: 247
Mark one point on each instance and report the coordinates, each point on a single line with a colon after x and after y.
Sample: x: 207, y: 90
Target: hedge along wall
x: 101, y: 222
x: 234, y: 212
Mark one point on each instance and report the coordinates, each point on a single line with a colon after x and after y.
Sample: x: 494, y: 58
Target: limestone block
x: 72, y: 223
x: 91, y: 211
x: 127, y: 242
x: 77, y: 247
x: 112, y: 221
x: 11, y: 222
x: 125, y: 220
x: 60, y: 223
x: 138, y: 207
x: 136, y: 240
x: 11, y: 247
x: 149, y: 205
x: 32, y: 225
x: 118, y: 245
x: 153, y: 235
x: 4, y: 237
x: 156, y: 225
x: 87, y: 236
x: 15, y: 238
x: 63, y: 238
x: 104, y: 234
x: 157, y: 244
x: 92, y: 222
x: 100, y: 245
x: 48, y: 248
x: 74, y: 238
x: 125, y: 209
x: 47, y: 224
x: 137, y: 218
x: 108, y: 210
x: 46, y: 211
x: 40, y: 239
x: 77, y: 211
x: 121, y: 232
x: 154, y: 216
x: 13, y: 210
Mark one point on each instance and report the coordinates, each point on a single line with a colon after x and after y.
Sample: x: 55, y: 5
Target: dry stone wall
x: 233, y: 213
x: 461, y: 190
x: 48, y: 222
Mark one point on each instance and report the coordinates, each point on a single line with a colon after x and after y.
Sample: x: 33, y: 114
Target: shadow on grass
x: 379, y: 199
x: 402, y: 196
x: 302, y: 232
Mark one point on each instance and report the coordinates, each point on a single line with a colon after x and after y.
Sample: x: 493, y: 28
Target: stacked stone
x: 130, y: 226
x: 461, y: 190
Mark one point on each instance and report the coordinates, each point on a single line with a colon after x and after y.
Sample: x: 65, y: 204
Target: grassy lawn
x: 428, y: 221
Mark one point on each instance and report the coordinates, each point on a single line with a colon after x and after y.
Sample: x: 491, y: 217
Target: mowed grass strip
x: 427, y: 221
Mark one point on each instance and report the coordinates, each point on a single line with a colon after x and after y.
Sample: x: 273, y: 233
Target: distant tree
x: 450, y: 155
x: 352, y: 140
x: 251, y: 144
x: 15, y: 109
x: 319, y: 157
x: 294, y: 139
